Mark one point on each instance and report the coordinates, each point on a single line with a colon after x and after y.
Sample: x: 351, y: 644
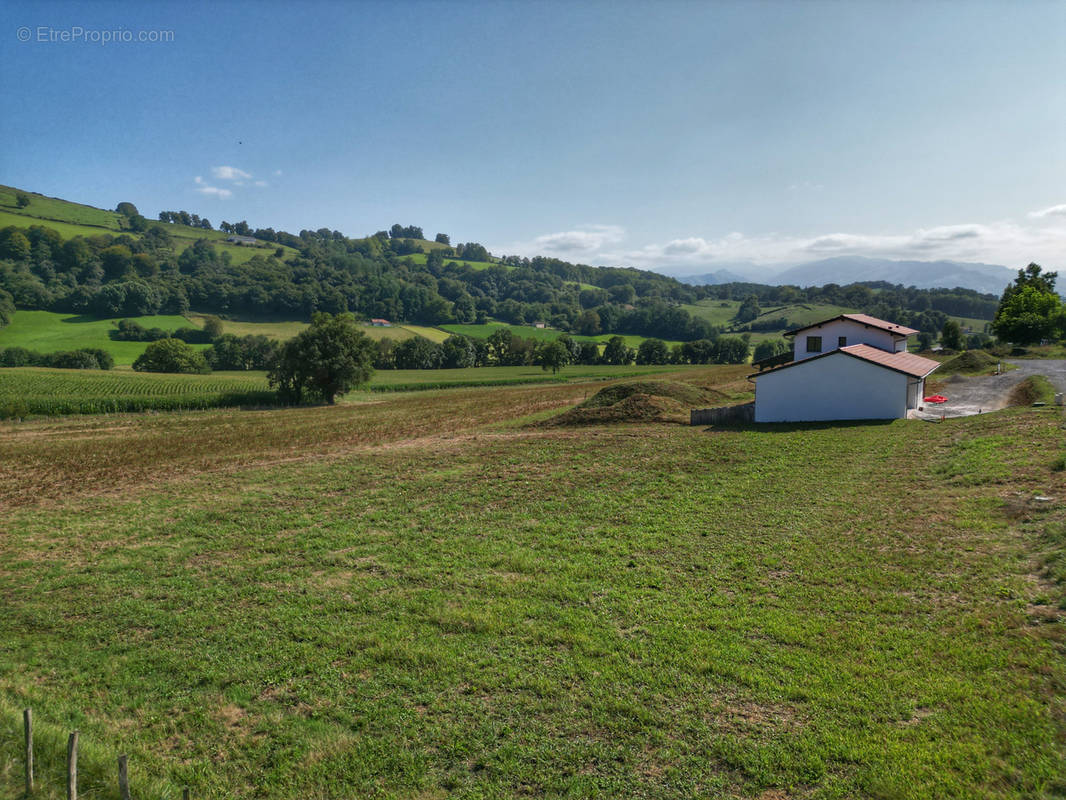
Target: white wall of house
x: 854, y: 332
x: 836, y: 387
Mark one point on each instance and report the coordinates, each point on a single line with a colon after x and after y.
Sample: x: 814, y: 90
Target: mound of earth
x: 970, y: 361
x: 639, y: 401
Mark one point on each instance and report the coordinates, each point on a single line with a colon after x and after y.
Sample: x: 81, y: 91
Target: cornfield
x: 29, y: 391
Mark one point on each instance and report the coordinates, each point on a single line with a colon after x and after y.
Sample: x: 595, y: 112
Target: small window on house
x: 842, y: 341
x: 814, y: 344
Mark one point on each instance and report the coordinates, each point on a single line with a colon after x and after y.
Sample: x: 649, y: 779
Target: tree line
x: 125, y: 274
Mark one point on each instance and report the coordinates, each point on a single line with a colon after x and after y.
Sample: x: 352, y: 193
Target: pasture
x: 424, y: 596
x: 54, y: 209
x: 52, y: 331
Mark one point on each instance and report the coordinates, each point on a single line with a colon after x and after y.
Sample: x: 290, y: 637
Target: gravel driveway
x: 975, y: 395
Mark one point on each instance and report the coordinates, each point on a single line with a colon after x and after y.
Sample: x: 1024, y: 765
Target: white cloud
x: 1052, y: 211
x: 213, y: 190
x: 277, y: 173
x: 229, y: 173
x: 587, y: 239
x: 1002, y: 242
x: 261, y: 183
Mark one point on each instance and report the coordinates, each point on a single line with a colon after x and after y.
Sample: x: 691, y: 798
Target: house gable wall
x: 855, y: 332
x: 837, y: 387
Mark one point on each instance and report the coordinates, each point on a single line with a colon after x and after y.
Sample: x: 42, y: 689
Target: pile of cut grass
x: 638, y: 401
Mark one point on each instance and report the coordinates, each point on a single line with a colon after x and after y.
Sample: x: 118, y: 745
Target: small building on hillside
x: 380, y: 323
x: 846, y: 368
x: 235, y: 239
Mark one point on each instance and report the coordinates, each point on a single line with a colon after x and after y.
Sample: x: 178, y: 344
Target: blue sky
x: 681, y: 136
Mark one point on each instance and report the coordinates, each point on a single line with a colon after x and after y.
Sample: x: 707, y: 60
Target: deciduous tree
x: 327, y: 359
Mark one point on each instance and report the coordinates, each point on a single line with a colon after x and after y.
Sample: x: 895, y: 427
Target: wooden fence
x: 725, y: 415
x: 72, y: 764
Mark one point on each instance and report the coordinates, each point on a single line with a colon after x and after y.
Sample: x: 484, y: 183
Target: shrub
x: 171, y: 355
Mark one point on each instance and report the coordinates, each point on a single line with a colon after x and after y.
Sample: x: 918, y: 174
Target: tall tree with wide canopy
x: 1030, y: 309
x: 329, y: 358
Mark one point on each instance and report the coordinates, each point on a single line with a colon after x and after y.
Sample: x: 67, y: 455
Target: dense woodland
x: 124, y: 274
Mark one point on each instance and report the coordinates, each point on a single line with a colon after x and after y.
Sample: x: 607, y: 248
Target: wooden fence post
x: 27, y: 723
x: 185, y: 793
x: 72, y: 767
x: 123, y: 779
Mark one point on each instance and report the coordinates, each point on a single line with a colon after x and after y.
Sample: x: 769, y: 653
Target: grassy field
x: 433, y: 334
x: 50, y: 331
x: 424, y: 597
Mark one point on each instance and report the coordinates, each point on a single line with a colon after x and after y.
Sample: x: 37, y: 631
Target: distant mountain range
x: 990, y: 278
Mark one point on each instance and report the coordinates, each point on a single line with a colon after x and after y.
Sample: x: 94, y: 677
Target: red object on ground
x: 936, y: 398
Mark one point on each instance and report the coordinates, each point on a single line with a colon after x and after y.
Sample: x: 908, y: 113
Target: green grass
x: 50, y: 331
x: 721, y: 313
x: 420, y: 258
x: 51, y: 208
x: 419, y: 597
x: 279, y: 330
x: 72, y: 219
x: 433, y: 334
x: 33, y: 391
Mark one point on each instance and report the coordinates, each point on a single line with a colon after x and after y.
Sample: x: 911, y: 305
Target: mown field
x: 425, y: 596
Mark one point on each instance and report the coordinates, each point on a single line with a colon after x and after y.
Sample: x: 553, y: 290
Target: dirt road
x: 981, y: 393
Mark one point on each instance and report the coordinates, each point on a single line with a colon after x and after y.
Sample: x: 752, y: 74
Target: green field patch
x: 433, y: 334
x: 420, y: 258
x: 51, y: 331
x: 281, y: 330
x: 376, y: 607
x: 56, y: 210
x: 722, y: 312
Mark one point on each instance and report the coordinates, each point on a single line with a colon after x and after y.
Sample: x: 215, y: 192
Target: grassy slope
x: 50, y: 331
x: 296, y: 604
x: 72, y: 219
x: 420, y: 258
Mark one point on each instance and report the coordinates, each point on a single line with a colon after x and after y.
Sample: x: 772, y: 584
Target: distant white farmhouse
x: 849, y: 367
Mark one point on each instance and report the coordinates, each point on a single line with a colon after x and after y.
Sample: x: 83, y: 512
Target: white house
x: 850, y: 367
x: 848, y: 329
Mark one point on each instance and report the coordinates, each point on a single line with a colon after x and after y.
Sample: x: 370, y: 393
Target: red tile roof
x: 907, y: 363
x: 862, y: 319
